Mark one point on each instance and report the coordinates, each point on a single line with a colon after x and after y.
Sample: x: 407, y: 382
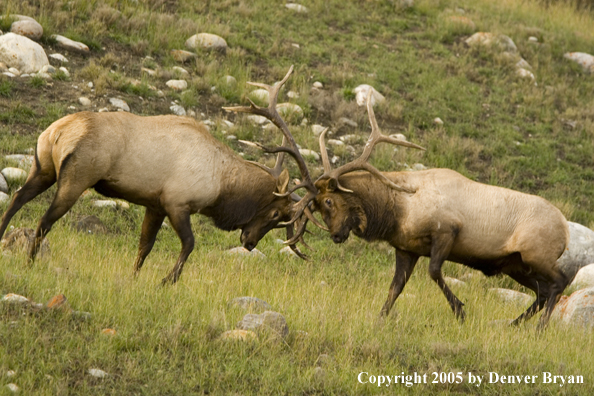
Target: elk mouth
x: 341, y: 236
x: 248, y: 242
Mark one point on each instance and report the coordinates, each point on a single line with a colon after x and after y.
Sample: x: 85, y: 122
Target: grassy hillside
x: 497, y: 128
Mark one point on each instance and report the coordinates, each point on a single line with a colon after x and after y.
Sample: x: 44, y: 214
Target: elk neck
x: 377, y: 206
x: 245, y: 189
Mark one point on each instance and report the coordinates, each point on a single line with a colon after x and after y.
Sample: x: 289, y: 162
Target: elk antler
x: 291, y: 148
x: 361, y: 162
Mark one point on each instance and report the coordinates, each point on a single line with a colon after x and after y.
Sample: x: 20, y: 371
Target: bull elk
x: 441, y: 214
x: 170, y: 165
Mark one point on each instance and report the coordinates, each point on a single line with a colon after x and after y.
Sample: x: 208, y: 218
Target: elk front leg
x: 405, y: 264
x: 150, y: 227
x: 440, y: 249
x: 180, y: 221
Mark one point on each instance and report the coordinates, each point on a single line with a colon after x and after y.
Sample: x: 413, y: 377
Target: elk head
x: 281, y: 213
x: 338, y: 205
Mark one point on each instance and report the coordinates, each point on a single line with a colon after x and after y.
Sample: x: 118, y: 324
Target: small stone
x: 178, y: 110
x: 584, y: 278
x: 230, y: 80
x: 260, y: 95
x: 318, y: 85
x: 182, y: 56
x: 268, y: 322
x: 109, y: 332
x: 13, y: 387
x: 206, y: 41
x: 72, y: 45
x: 90, y: 84
x: 49, y: 69
x: 83, y: 100
x: 258, y: 120
x: 250, y: 303
x: 335, y: 142
x: 512, y: 296
x: 65, y: 71
x: 14, y: 175
x: 317, y: 129
x: 309, y: 153
x: 15, y: 71
x: 15, y: 298
x: 97, y: 373
x: 453, y: 281
x: 288, y: 251
x: 119, y: 104
x: 292, y: 94
x: 238, y: 335
x: 533, y: 39
x: 103, y: 110
x: 241, y: 251
x: 10, y: 373
x: 522, y: 64
x: 347, y: 121
x: 58, y: 301
x: 58, y: 57
x: 9, y: 74
x: 177, y: 85
x: 527, y: 74
x: 4, y: 198
x: 22, y: 160
x: 148, y: 72
x: 105, y: 203
x: 289, y: 110
x: 586, y: 61
x: 297, y: 8
x: 438, y: 121
x: 398, y: 136
x: 44, y: 75
x: 180, y: 70
x: 231, y: 137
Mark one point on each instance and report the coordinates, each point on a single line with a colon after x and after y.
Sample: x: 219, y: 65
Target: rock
x: 335, y: 142
x: 4, y: 198
x: 22, y: 53
x: 58, y: 57
x: 109, y: 332
x: 97, y: 373
x: 18, y: 239
x: 8, y: 74
x: 58, y: 302
x: 351, y: 138
x: 65, y: 71
x: 258, y: 120
x: 462, y: 21
x: 244, y: 252
x: 347, y: 121
x: 453, y: 281
x: 206, y: 41
x: 361, y: 95
x: 29, y: 28
x: 49, y: 69
x: 522, y: 64
x: 398, y: 136
x: 577, y: 309
x: 525, y: 74
x: 438, y: 121
x: 22, y: 160
x: 71, y: 45
x: 15, y: 299
x: 579, y: 252
x: 586, y: 61
x: 532, y: 39
x: 83, y: 100
x: 259, y: 95
x: 230, y: 80
x: 14, y: 175
x: 177, y: 85
x: 317, y: 129
x: 238, y: 335
x: 44, y: 75
x: 15, y: 71
x: 290, y: 110
x: 180, y: 70
x: 10, y: 373
x: 512, y: 296
x: 297, y: 8
x: 310, y: 153
x: 269, y: 322
x: 584, y: 278
x: 148, y: 72
x: 105, y: 203
x: 292, y: 94
x: 13, y: 387
x: 231, y: 137
x: 119, y: 104
x: 178, y: 110
x: 418, y: 167
x: 182, y: 56
x: 250, y: 304
x: 288, y: 251
x: 318, y: 85
x: 90, y: 225
x: 486, y: 39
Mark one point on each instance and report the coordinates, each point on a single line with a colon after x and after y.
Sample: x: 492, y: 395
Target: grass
x: 497, y: 129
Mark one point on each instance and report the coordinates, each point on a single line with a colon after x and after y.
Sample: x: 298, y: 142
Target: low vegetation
x: 497, y: 128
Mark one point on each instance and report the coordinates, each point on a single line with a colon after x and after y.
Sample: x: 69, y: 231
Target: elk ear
x: 282, y: 183
x: 332, y: 184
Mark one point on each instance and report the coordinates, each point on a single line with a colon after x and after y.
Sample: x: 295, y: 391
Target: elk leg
x: 442, y: 244
x: 32, y: 188
x: 180, y: 221
x: 559, y: 283
x: 539, y: 288
x: 405, y: 264
x: 66, y: 196
x: 150, y: 227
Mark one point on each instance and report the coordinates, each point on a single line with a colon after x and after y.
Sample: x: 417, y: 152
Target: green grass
x: 497, y: 129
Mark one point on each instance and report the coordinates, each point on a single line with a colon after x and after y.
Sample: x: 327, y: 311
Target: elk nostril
x: 250, y: 246
x: 336, y: 238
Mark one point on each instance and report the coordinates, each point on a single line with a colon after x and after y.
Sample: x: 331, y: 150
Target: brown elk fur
x: 169, y: 164
x: 449, y: 217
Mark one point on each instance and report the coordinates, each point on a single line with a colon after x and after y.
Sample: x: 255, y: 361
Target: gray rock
x: 18, y: 240
x: 182, y: 56
x: 71, y: 45
x: 309, y: 153
x: 496, y: 41
x: 58, y: 57
x: 83, y: 100
x: 317, y: 129
x: 290, y: 110
x: 177, y: 85
x: 22, y: 53
x: 512, y: 296
x: 347, y: 121
x: 297, y: 8
x: 97, y: 373
x: 586, y: 61
x: 4, y: 198
x: 259, y: 95
x: 119, y: 104
x: 206, y: 41
x: 90, y: 225
x: 577, y: 309
x: 361, y: 95
x: 49, y: 69
x: 579, y: 252
x: 178, y: 110
x: 241, y: 251
x: 21, y: 160
x: 65, y: 71
x: 584, y: 278
x: 230, y: 81
x: 269, y: 322
x: 105, y: 203
x: 250, y: 304
x: 14, y: 71
x: 14, y: 175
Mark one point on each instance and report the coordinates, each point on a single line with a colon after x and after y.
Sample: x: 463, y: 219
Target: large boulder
x: 577, y: 309
x: 22, y: 53
x: 579, y: 252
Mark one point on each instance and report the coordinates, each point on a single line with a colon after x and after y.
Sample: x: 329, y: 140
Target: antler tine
x: 324, y: 152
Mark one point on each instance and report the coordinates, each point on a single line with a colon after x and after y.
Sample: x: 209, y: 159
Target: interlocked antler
x: 291, y: 148
x: 361, y: 162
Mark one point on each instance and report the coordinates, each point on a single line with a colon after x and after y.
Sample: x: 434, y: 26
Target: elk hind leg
x: 405, y: 264
x: 440, y: 249
x: 541, y: 290
x: 180, y: 221
x: 150, y: 227
x: 558, y: 284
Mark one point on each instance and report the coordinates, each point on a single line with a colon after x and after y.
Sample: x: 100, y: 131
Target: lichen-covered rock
x: 19, y: 239
x: 206, y: 41
x: 586, y: 61
x: 269, y: 322
x: 182, y: 56
x: 26, y: 26
x: 22, y: 53
x: 579, y: 251
x: 577, y: 309
x: 584, y: 278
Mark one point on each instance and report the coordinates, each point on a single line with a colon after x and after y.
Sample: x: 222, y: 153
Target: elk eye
x: 328, y: 202
x: 275, y: 214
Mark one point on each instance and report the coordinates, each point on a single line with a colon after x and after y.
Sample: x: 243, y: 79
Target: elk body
x: 169, y: 164
x: 441, y: 214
